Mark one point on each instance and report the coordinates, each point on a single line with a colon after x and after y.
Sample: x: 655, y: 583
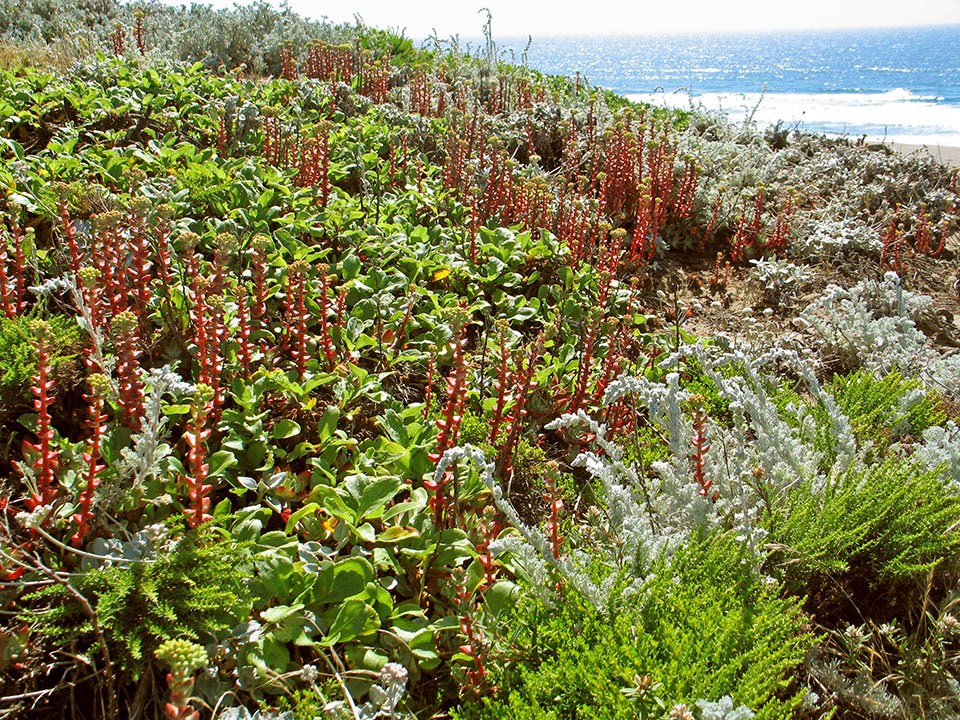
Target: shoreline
x: 946, y: 154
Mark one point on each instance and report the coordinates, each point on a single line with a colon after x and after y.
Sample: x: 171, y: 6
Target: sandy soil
x: 947, y: 155
x: 741, y: 309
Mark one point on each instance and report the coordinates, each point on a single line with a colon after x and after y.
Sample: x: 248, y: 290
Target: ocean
x: 899, y: 85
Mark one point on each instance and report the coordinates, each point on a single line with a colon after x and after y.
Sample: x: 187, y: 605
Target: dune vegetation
x: 345, y: 377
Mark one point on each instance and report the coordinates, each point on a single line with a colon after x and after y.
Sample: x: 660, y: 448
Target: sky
x: 519, y: 18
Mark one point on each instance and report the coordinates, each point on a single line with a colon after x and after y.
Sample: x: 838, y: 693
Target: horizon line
x: 677, y: 32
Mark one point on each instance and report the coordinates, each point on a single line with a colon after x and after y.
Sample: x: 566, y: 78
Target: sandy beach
x: 947, y: 155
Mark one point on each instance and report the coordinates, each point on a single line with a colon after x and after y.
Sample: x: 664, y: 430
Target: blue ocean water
x: 896, y: 84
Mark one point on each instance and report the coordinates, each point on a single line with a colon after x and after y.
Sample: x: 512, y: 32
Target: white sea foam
x: 896, y: 115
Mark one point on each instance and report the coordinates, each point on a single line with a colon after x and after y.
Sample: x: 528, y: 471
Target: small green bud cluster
x: 183, y: 656
x: 124, y: 323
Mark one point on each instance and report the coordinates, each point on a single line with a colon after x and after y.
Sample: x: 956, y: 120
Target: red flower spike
x: 503, y: 379
x: 296, y: 315
x: 288, y: 63
x: 196, y: 435
x: 245, y: 347
x: 140, y: 271
x: 553, y: 495
x: 210, y: 332
x: 473, y: 647
x: 47, y: 458
x: 117, y: 40
x: 96, y: 424
x: 700, y: 448
x: 448, y: 426
x: 514, y: 419
x: 584, y: 367
x: 13, y: 292
x: 326, y: 337
x: 131, y: 391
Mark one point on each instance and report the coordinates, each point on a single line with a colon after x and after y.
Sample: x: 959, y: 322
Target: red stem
x: 478, y: 676
x: 8, y: 298
x: 583, y: 371
x: 245, y: 347
x: 449, y: 426
x: 554, y: 496
x: 69, y: 235
x: 20, y: 270
x: 428, y: 387
x: 297, y: 316
x: 504, y: 381
x: 326, y: 339
x: 514, y: 421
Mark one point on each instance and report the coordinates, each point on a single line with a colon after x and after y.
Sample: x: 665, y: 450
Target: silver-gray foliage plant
x: 384, y: 698
x: 874, y: 325
x: 941, y: 449
x: 723, y: 709
x: 143, y: 459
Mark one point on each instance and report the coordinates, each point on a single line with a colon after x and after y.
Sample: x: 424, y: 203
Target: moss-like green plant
x: 191, y: 588
x: 704, y: 627
x: 18, y: 355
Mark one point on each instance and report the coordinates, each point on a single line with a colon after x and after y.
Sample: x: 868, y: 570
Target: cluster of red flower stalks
x: 514, y: 373
x: 519, y: 377
x: 336, y: 63
x: 752, y: 237
x: 118, y: 40
x: 44, y: 453
x: 514, y: 383
x: 340, y: 63
x: 629, y: 177
x: 308, y: 155
x: 124, y: 277
x: 430, y: 95
x: 554, y: 498
x: 13, y: 295
x: 488, y: 526
x: 97, y: 427
x: 423, y: 89
x: 900, y: 242
x: 473, y: 647
x: 448, y: 429
x: 195, y: 480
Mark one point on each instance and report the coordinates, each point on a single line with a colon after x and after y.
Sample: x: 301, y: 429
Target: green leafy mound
x: 884, y: 526
x: 887, y: 409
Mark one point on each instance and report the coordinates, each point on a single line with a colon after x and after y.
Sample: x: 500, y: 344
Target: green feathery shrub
x: 18, y: 356
x: 704, y: 627
x: 891, y: 522
x: 191, y: 588
x: 885, y: 408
